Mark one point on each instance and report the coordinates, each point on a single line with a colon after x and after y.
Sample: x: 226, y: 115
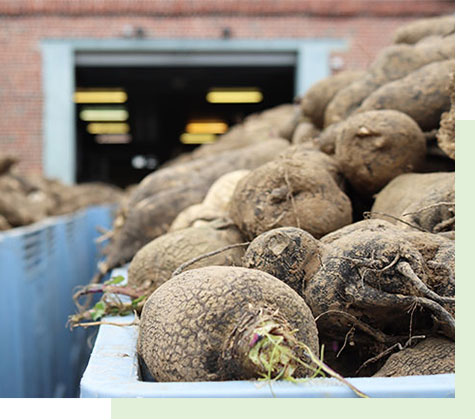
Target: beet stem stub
x: 268, y: 347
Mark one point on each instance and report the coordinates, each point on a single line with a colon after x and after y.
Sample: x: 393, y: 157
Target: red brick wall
x: 243, y: 7
x: 23, y: 24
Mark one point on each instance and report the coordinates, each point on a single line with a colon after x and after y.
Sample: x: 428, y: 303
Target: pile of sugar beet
x: 27, y: 199
x: 315, y: 237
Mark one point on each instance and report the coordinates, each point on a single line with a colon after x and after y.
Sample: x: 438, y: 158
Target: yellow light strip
x: 108, y: 128
x: 215, y: 127
x: 234, y: 95
x: 94, y: 114
x: 97, y: 96
x: 188, y: 138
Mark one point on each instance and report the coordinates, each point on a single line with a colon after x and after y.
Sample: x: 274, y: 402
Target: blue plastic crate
x: 113, y: 372
x: 40, y: 265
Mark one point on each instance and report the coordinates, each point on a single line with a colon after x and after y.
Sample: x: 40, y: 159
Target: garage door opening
x: 122, y: 138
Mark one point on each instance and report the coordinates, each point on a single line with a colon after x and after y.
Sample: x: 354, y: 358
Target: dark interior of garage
x: 160, y: 103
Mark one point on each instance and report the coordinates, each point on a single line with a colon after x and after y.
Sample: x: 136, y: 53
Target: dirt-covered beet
x: 161, y: 197
x: 21, y: 202
x: 437, y: 251
x: 304, y: 132
x: 348, y: 99
x: 270, y: 124
x: 4, y: 225
x: 220, y: 193
x: 421, y: 94
x: 380, y: 279
x: 432, y: 356
x: 446, y: 133
x: 26, y: 199
x: 211, y: 324
x: 376, y: 146
x: 426, y: 201
x: 440, y: 47
x: 310, y: 152
x: 287, y: 130
x: 288, y: 253
x: 79, y: 196
x: 194, y: 216
x: 397, y: 61
x: 147, y: 220
x: 321, y: 93
x: 154, y: 264
x: 392, y: 63
x: 290, y: 191
x: 326, y: 140
x: 357, y: 340
x: 6, y: 163
x: 421, y: 28
x: 206, y: 169
x: 214, y: 206
x: 20, y: 209
x: 369, y: 225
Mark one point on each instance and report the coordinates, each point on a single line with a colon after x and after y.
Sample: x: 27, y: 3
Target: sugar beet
x: 203, y: 324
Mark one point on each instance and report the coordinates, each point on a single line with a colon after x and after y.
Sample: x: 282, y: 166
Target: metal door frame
x: 61, y: 56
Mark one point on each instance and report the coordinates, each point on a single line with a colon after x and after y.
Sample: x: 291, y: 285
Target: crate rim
x: 113, y: 372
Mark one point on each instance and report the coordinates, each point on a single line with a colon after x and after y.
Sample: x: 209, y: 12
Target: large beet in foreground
x: 209, y: 324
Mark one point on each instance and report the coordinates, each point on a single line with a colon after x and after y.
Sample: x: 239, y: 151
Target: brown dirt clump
x: 290, y: 192
x: 201, y: 324
x: 376, y: 146
x: 432, y: 356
